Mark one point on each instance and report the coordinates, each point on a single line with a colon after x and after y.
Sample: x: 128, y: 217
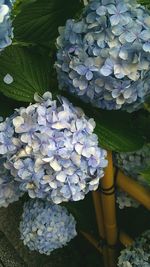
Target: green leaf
x: 146, y: 174
x: 30, y: 73
x: 142, y: 124
x: 39, y: 21
x: 116, y: 130
x: 19, y: 4
x: 145, y: 3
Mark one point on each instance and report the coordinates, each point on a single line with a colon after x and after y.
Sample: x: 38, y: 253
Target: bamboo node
x: 108, y: 191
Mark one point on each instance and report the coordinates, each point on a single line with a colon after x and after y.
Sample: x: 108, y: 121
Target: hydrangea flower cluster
x: 132, y: 164
x: 104, y: 58
x: 52, y: 151
x: 6, y: 31
x: 9, y: 189
x: 46, y: 227
x: 138, y: 254
x: 125, y: 201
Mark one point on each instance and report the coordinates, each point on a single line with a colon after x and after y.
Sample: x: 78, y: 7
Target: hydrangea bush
x: 6, y: 31
x: 52, y: 151
x: 104, y: 57
x: 137, y: 255
x: 132, y: 164
x: 46, y: 227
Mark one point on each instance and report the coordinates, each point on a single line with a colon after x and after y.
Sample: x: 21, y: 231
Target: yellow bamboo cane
x: 135, y: 190
x: 109, y: 211
x: 100, y: 223
x: 125, y: 239
x: 99, y: 213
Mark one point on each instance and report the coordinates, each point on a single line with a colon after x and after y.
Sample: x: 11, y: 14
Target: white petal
x: 61, y: 177
x: 22, y: 154
x: 18, y: 121
x: 123, y: 54
x: 48, y: 159
x: 4, y: 9
x: 120, y: 100
x: 28, y: 150
x: 87, y: 152
x: 53, y: 184
x: 55, y: 165
x: 94, y: 181
x: 76, y: 158
x: 60, y: 125
x: 134, y: 76
x: 78, y: 148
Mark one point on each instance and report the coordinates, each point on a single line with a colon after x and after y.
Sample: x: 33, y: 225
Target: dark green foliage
x: 39, y: 21
x: 117, y: 132
x: 30, y: 72
x: 145, y: 3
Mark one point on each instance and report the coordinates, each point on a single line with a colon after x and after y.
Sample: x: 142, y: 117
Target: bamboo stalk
x: 109, y: 211
x: 125, y: 239
x: 92, y: 240
x: 135, y: 190
x: 99, y: 213
x: 100, y: 223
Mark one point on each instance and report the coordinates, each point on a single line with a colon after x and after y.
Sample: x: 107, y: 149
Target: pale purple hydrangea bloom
x: 6, y: 31
x: 46, y: 227
x: 52, y: 150
x: 104, y: 58
x: 9, y: 189
x: 132, y: 164
x: 138, y: 254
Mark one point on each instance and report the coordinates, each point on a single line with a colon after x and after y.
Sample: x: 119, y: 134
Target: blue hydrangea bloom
x: 132, y: 164
x: 138, y: 254
x: 125, y: 201
x: 52, y: 151
x: 46, y: 227
x: 104, y: 58
x: 6, y: 31
x: 9, y: 189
